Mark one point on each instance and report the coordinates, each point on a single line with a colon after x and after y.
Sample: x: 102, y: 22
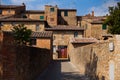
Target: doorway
x: 62, y: 51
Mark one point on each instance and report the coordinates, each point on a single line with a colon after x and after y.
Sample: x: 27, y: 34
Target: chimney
x: 23, y: 4
x: 92, y: 13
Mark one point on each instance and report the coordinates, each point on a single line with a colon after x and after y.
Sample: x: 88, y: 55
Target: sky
x: 100, y: 7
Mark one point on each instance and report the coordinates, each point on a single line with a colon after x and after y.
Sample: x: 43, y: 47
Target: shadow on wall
x: 91, y: 67
x: 0, y: 56
x: 61, y: 21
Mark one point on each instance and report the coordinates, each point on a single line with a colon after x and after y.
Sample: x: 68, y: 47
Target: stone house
x: 14, y: 10
x: 34, y: 25
x: 64, y: 23
x: 61, y: 38
x: 54, y: 16
x: 94, y: 26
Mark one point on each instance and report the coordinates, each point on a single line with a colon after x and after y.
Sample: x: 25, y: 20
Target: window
x: 65, y: 13
x: 41, y: 17
x: 51, y: 19
x: 75, y: 34
x: 51, y: 9
x: 104, y: 27
x: 37, y: 27
x: 32, y: 41
x: 54, y: 49
x: 0, y: 11
x: 59, y: 13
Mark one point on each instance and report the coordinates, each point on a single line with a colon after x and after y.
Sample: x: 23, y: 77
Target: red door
x: 62, y: 52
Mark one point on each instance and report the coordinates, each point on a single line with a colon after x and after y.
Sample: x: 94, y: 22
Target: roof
x: 34, y: 11
x: 84, y: 40
x: 64, y: 28
x: 107, y: 35
x: 5, y: 16
x: 44, y: 34
x: 97, y: 22
x: 20, y: 20
x: 10, y: 6
x: 67, y: 9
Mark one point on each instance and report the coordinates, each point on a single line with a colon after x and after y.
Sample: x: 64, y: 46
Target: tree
x: 21, y: 34
x: 113, y: 20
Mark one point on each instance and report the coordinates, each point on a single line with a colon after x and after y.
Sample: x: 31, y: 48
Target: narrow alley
x: 62, y: 70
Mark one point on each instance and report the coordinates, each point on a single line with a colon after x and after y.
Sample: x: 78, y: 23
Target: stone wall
x: 8, y: 26
x: 95, y: 60
x: 22, y: 62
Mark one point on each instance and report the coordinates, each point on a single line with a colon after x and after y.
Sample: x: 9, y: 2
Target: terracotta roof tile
x: 67, y: 9
x: 44, y: 34
x: 10, y: 6
x: 19, y: 20
x: 84, y: 40
x: 63, y: 28
x: 34, y: 11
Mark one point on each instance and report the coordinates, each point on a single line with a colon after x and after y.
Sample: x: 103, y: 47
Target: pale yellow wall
x: 8, y: 12
x: 35, y: 16
x: 64, y: 40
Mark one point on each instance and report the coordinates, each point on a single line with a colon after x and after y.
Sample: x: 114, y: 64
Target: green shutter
x: 65, y: 13
x: 41, y: 17
x: 51, y: 9
x: 104, y: 26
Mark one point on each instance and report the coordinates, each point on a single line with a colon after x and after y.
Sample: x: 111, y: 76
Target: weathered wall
x: 8, y: 26
x: 94, y: 60
x: 51, y: 17
x: 22, y: 62
x: 70, y: 19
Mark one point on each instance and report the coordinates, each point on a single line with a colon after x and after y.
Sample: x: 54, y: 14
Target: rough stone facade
x: 21, y: 62
x: 62, y: 38
x: 67, y: 20
x: 34, y: 26
x: 96, y: 60
x: 17, y: 11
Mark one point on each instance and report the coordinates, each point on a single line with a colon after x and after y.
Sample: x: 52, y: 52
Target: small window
x: 37, y: 27
x: 54, y: 49
x: 65, y: 13
x: 51, y: 9
x: 104, y: 27
x: 75, y: 34
x: 59, y: 13
x: 32, y: 41
x: 51, y: 19
x: 41, y: 17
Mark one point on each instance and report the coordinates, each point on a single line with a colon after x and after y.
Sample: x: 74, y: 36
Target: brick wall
x: 22, y: 62
x: 94, y: 60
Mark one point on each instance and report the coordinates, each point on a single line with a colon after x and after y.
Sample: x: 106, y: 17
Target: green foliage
x: 21, y: 34
x: 113, y: 20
